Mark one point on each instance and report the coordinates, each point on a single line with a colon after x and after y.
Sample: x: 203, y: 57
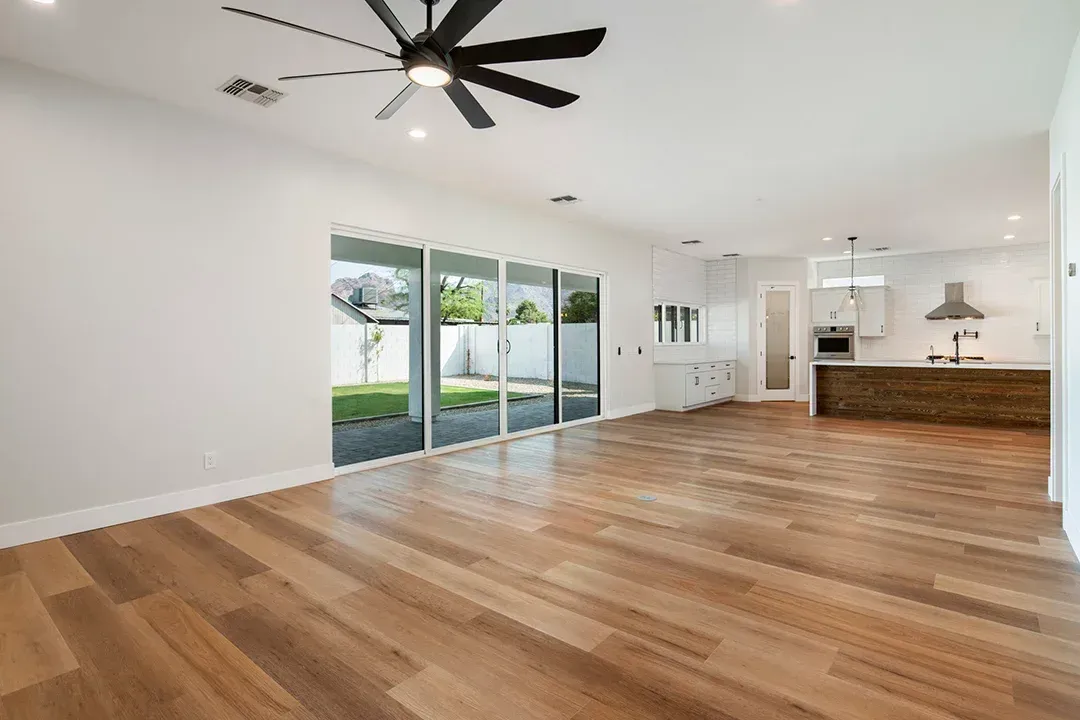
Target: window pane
x: 464, y: 341
x: 672, y: 316
x: 376, y: 349
x: 658, y: 323
x: 684, y: 323
x: 579, y: 312
x: 530, y: 348
x: 695, y: 325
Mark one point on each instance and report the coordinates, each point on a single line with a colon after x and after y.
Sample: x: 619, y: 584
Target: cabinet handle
x: 1036, y: 327
x: 882, y: 329
x: 729, y: 376
x: 697, y: 381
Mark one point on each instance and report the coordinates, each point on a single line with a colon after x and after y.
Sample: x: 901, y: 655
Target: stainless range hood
x: 954, y: 307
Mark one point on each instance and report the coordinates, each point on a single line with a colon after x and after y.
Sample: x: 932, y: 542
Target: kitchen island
x: 995, y: 394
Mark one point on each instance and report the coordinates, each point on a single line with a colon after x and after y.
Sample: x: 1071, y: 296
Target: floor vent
x: 565, y: 200
x: 252, y: 92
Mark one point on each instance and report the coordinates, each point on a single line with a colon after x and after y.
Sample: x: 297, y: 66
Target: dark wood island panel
x: 959, y: 396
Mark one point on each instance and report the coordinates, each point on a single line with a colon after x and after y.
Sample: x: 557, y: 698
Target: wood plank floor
x: 788, y: 567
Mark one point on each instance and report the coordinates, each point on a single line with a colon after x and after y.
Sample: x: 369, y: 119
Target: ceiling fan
x: 434, y: 59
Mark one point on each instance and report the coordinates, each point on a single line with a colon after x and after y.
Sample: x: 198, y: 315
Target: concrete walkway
x: 360, y: 444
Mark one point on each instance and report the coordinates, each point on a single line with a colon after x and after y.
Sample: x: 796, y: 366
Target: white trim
x: 747, y: 398
x: 803, y: 397
x: 616, y: 413
x: 378, y: 463
x: 1071, y: 523
x: 791, y: 394
x: 51, y: 526
x: 1059, y: 361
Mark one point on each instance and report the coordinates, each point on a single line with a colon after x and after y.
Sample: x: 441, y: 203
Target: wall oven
x: 834, y: 342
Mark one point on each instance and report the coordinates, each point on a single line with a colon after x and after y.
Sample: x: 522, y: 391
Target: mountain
x: 386, y: 287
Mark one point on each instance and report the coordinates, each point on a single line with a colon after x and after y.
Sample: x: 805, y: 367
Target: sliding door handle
x: 508, y: 347
x: 791, y: 357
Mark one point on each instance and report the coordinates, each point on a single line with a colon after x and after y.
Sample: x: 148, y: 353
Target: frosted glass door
x: 776, y: 343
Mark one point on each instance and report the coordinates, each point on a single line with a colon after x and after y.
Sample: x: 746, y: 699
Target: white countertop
x: 691, y: 362
x: 969, y: 365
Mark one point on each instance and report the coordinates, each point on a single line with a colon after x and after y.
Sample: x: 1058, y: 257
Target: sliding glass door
x: 531, y: 346
x: 376, y: 349
x: 464, y: 339
x: 579, y: 319
x: 432, y: 348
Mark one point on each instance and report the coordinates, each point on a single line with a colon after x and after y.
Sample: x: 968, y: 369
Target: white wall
x: 187, y: 260
x: 750, y: 272
x: 721, y: 293
x: 1065, y: 143
x: 997, y: 281
x: 679, y: 278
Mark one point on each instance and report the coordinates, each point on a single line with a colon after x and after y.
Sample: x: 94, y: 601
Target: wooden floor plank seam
x: 907, y: 571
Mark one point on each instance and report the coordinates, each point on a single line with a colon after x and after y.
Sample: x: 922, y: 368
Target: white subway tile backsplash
x: 721, y: 302
x: 998, y: 281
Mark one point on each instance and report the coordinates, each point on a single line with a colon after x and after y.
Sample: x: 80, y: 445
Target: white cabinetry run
x: 686, y: 386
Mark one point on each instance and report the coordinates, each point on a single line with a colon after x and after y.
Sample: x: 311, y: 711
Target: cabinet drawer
x: 714, y: 392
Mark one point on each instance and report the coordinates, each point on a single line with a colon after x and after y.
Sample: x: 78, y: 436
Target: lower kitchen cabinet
x: 686, y: 386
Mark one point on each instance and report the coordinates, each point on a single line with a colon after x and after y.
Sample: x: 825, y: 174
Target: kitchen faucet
x: 956, y: 339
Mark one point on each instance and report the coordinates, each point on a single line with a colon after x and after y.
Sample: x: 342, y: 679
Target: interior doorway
x: 776, y: 340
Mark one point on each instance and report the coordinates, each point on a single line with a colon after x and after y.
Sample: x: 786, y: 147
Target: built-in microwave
x: 834, y: 342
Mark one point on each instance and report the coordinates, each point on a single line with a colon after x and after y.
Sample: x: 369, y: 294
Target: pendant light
x: 852, y: 301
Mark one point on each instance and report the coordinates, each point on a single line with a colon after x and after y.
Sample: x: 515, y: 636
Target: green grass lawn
x: 360, y: 401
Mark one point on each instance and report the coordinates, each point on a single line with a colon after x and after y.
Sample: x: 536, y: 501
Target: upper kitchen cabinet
x: 1044, y: 303
x: 873, y: 319
x: 824, y: 307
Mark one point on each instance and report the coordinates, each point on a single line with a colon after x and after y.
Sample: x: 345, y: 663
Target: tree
x: 581, y: 307
x: 457, y: 301
x: 528, y: 313
x: 461, y: 301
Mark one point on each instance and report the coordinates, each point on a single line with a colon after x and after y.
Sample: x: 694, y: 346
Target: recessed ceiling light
x: 827, y: 239
x: 45, y: 2
x: 1010, y: 237
x: 417, y: 134
x: 847, y: 252
x: 1014, y: 218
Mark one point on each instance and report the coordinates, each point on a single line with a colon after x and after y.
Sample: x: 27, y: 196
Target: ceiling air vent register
x: 251, y: 91
x: 691, y: 242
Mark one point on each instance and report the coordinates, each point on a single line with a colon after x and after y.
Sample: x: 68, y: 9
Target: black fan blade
x: 468, y: 106
x: 463, y: 17
x: 335, y: 74
x: 395, y: 104
x: 293, y: 26
x: 392, y: 23
x: 543, y: 47
x: 518, y: 87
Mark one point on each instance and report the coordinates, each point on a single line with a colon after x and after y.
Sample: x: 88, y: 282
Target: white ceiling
x: 756, y: 126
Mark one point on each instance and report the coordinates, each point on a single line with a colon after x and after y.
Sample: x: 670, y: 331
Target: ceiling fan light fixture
x: 431, y: 76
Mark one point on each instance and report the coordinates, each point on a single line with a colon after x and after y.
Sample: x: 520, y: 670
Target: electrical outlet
x: 209, y: 461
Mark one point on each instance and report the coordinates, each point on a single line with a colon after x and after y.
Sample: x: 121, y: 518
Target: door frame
x: 791, y: 394
x: 426, y: 246
x: 1060, y: 396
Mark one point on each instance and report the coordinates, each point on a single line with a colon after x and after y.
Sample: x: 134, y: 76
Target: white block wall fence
x: 355, y: 358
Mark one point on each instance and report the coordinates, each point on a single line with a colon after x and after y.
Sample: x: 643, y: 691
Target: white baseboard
x: 1071, y: 522
x: 51, y: 526
x: 747, y: 398
x: 632, y: 410
x: 803, y: 397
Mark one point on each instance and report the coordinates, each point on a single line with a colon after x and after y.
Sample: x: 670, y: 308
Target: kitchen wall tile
x: 998, y: 281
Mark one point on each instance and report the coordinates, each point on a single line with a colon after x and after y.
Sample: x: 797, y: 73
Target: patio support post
x: 416, y: 345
